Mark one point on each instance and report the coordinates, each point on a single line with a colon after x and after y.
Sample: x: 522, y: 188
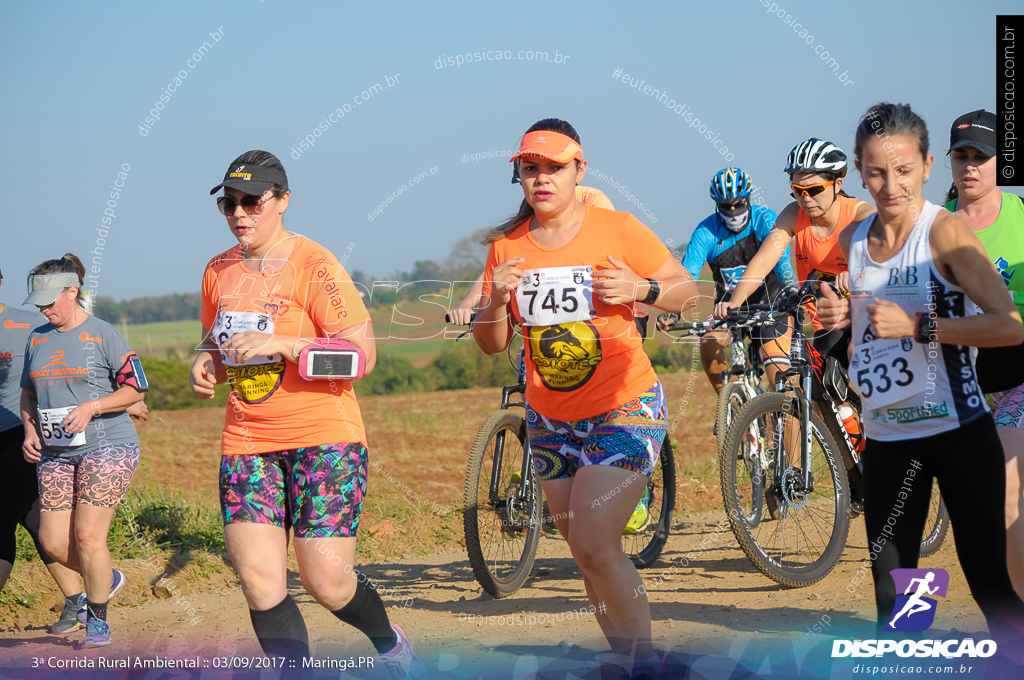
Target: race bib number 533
x: 884, y: 370
x: 556, y: 295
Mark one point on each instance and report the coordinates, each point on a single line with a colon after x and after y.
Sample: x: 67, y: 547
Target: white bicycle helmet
x: 817, y: 156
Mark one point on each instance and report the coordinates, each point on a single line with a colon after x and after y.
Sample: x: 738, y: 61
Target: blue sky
x: 80, y: 78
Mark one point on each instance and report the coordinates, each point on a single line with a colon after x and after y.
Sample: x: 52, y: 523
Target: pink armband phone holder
x: 331, y: 359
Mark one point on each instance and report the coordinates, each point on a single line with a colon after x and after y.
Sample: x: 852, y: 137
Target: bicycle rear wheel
x: 502, y: 529
x: 644, y: 545
x: 806, y: 541
x: 937, y: 524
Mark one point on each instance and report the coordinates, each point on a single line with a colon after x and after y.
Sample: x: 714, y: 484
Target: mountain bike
x: 502, y: 499
x: 783, y: 461
x: 742, y: 380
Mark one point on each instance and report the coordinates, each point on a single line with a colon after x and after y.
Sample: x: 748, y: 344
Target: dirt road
x: 714, y: 617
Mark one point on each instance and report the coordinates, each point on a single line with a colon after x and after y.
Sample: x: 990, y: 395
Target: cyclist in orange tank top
x: 813, y: 221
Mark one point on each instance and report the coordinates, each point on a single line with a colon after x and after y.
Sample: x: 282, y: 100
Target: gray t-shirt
x: 15, y: 325
x: 66, y: 368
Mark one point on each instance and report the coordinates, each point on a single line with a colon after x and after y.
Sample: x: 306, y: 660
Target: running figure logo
x: 914, y: 610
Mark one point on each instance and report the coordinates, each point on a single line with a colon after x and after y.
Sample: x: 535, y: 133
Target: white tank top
x: 910, y: 390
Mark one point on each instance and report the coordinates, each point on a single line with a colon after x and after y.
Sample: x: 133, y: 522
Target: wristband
x: 927, y: 327
x: 331, y: 359
x: 653, y: 294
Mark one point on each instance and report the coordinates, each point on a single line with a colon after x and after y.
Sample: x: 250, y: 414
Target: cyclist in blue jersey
x: 727, y: 240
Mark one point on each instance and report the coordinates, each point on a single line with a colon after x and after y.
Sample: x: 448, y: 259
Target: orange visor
x: 551, y: 145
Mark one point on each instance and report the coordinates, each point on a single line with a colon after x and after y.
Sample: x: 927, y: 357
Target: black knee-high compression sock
x: 366, y: 612
x: 281, y: 631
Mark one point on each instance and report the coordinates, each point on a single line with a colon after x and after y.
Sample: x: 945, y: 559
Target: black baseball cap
x: 977, y: 129
x: 251, y: 178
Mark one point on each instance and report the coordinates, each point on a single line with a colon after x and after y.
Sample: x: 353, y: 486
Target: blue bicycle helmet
x: 730, y: 185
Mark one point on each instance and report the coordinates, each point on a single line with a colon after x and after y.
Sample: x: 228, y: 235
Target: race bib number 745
x: 556, y: 295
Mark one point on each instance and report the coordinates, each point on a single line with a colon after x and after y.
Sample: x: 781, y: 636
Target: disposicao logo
x: 914, y: 611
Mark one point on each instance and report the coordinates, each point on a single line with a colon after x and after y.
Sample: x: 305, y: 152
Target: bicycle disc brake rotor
x: 512, y: 514
x: 793, y: 487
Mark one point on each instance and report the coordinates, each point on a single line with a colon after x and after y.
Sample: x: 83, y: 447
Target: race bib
x: 556, y: 295
x: 53, y: 432
x: 259, y: 377
x: 230, y: 323
x: 884, y: 370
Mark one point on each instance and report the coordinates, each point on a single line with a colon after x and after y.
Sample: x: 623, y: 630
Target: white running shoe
x: 401, y: 661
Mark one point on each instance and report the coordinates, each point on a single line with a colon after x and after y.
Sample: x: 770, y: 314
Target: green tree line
x: 459, y: 367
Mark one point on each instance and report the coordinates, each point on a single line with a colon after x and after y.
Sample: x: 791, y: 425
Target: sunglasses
x: 810, y: 189
x: 250, y: 204
x: 733, y: 207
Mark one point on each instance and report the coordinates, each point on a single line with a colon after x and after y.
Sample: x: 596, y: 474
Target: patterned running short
x: 97, y: 478
x: 627, y: 437
x: 1008, y: 407
x: 317, y: 490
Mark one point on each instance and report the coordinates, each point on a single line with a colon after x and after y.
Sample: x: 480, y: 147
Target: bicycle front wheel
x: 502, y: 521
x: 805, y: 542
x: 937, y: 524
x: 644, y: 543
x: 730, y: 401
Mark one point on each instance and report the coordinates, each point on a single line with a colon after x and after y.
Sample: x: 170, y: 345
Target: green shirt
x: 1004, y: 243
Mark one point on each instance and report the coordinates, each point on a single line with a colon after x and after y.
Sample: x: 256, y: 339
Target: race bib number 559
x: 52, y: 429
x: 556, y: 295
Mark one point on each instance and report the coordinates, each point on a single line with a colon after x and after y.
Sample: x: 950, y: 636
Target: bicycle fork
x: 784, y: 469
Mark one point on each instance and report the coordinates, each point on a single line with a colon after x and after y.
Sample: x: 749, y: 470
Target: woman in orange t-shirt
x: 462, y: 312
x: 569, y: 274
x: 293, y: 446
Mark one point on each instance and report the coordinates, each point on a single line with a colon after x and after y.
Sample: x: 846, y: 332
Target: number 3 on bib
x: 556, y: 295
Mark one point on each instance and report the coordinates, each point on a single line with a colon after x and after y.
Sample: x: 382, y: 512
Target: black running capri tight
x: 19, y: 496
x: 969, y: 466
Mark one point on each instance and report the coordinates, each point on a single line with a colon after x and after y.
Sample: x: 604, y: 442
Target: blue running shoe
x: 97, y: 633
x: 117, y: 583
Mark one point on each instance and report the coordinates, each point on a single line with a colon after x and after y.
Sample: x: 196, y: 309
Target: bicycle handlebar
x: 697, y: 328
x: 469, y: 329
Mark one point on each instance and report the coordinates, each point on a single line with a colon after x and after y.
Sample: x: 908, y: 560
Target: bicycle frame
x: 799, y: 366
x: 744, y: 360
x: 494, y: 498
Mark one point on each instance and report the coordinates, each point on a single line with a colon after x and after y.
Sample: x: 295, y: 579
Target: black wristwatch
x: 927, y: 327
x: 654, y: 293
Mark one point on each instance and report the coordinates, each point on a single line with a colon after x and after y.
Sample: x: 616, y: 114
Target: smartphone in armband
x: 340, y: 361
x: 140, y: 375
